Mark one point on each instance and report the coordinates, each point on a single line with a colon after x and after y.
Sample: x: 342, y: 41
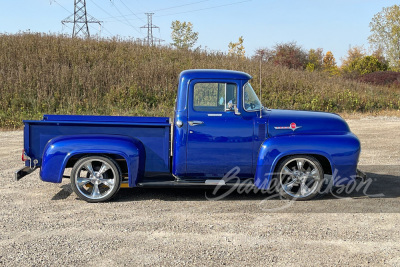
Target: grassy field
x: 58, y: 75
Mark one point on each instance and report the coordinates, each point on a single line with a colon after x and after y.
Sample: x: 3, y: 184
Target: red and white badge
x: 292, y: 127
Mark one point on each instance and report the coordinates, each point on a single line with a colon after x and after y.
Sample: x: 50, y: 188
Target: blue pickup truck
x: 219, y: 125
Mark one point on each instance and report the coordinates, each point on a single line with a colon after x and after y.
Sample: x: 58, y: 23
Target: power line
x: 125, y: 18
x: 60, y: 5
x: 162, y: 9
x: 105, y: 11
x: 195, y: 10
x: 189, y: 4
x: 131, y: 11
x: 207, y: 8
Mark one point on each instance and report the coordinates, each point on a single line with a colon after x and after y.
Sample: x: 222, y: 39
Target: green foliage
x: 183, y: 35
x: 310, y: 67
x: 365, y: 65
x: 385, y: 33
x: 50, y: 74
x: 237, y: 49
x: 314, y: 59
x: 353, y: 54
x: 357, y: 62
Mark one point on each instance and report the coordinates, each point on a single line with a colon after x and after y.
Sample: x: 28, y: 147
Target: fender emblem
x: 292, y: 127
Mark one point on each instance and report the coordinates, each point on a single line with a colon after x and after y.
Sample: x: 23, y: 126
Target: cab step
x: 184, y: 184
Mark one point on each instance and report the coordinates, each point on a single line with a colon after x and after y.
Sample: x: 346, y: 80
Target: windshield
x: 250, y: 99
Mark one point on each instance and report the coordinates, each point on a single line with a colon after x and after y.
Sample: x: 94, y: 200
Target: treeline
x: 356, y: 63
x: 59, y: 75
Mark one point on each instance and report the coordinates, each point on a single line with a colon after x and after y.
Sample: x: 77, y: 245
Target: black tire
x: 300, y: 177
x: 97, y: 183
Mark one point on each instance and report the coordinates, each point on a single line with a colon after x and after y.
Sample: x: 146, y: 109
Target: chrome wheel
x: 96, y: 178
x: 300, y: 177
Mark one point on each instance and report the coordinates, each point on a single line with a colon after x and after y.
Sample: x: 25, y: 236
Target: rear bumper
x: 361, y: 175
x: 23, y: 172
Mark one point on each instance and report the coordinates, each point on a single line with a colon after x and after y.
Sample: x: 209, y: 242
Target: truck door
x: 218, y: 139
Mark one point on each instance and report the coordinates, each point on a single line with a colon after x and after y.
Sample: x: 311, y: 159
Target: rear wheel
x: 300, y: 177
x: 96, y: 178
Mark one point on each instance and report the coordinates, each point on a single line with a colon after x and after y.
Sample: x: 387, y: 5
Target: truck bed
x: 153, y: 132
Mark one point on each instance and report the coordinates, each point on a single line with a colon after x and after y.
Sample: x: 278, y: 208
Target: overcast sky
x: 332, y: 25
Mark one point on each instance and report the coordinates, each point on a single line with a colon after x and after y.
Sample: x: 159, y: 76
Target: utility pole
x: 80, y: 19
x: 150, y: 39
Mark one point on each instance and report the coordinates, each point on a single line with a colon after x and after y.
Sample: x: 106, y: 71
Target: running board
x: 185, y: 184
x: 215, y: 182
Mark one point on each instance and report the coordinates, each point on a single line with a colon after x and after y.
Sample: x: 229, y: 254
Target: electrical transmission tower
x: 80, y: 19
x: 150, y: 39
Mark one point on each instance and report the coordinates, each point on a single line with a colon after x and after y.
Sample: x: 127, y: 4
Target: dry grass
x: 59, y: 75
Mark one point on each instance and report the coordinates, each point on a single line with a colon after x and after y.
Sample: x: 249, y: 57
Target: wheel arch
x: 338, y: 155
x: 119, y: 160
x: 64, y: 150
x: 323, y: 160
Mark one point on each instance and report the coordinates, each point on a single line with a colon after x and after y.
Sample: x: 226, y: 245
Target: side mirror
x: 236, y: 110
x: 232, y: 107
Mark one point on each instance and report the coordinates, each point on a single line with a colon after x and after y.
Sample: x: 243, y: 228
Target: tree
x: 385, y: 33
x: 378, y: 53
x: 357, y: 62
x: 329, y: 64
x: 290, y: 55
x: 354, y: 53
x: 314, y: 59
x: 237, y: 49
x: 264, y: 54
x: 183, y: 35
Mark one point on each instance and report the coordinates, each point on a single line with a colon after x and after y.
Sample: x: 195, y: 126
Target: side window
x: 214, y: 97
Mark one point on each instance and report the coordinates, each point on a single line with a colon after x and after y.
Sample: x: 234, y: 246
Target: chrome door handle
x: 194, y: 123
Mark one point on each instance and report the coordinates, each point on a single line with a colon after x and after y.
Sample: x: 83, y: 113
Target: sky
x: 333, y: 25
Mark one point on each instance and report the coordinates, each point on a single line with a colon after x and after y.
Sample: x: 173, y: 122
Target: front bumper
x: 23, y: 172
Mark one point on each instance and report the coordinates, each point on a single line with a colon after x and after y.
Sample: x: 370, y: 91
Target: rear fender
x: 342, y: 152
x: 59, y: 150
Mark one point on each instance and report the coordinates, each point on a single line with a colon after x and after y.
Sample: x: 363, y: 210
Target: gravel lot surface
x: 45, y: 224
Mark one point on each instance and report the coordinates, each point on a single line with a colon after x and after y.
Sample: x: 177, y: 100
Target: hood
x: 284, y: 122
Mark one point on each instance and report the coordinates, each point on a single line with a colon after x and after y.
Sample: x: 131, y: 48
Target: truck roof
x: 214, y: 73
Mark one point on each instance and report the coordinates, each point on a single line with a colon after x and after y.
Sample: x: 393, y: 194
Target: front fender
x: 342, y: 152
x: 60, y: 149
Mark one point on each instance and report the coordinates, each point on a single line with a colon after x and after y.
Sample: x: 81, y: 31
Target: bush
x: 365, y: 65
x: 42, y: 73
x: 385, y: 78
x: 290, y: 55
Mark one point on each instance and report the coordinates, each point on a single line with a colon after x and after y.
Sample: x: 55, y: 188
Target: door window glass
x: 214, y: 97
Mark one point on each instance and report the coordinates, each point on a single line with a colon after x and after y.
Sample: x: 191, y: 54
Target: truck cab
x: 220, y: 135
x: 216, y: 117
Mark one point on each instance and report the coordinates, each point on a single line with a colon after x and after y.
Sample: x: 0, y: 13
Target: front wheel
x: 96, y: 178
x: 300, y: 177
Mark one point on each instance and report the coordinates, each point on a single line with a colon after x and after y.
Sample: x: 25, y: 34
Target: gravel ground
x: 45, y: 224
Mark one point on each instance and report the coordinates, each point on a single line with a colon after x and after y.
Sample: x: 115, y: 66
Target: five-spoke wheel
x: 300, y: 177
x: 95, y: 178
